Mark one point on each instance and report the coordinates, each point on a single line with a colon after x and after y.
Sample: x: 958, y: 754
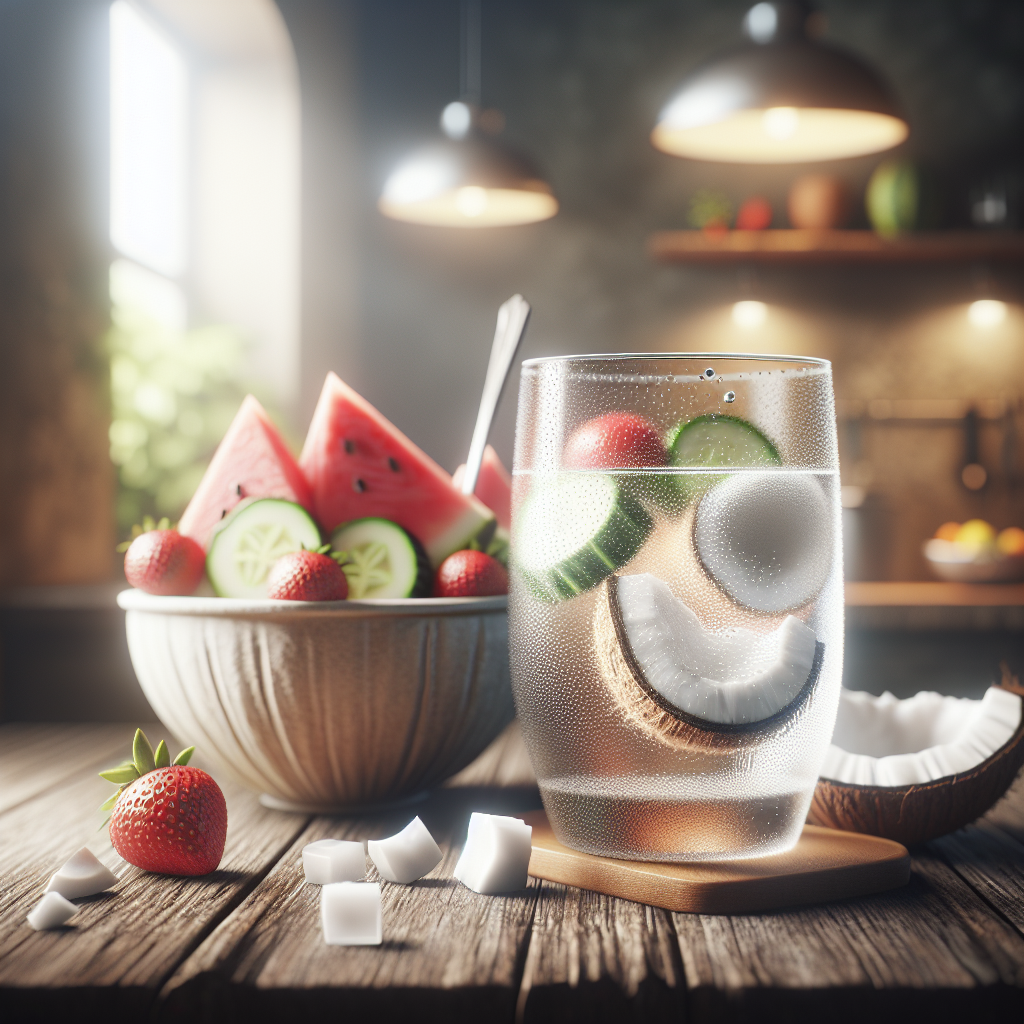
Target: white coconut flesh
x: 731, y: 677
x: 765, y: 537
x: 884, y: 741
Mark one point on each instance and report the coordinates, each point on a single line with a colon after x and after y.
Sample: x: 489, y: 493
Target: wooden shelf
x: 935, y: 606
x: 801, y: 246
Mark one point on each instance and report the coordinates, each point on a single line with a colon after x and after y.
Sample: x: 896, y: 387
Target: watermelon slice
x: 251, y: 462
x: 493, y: 487
x: 361, y: 465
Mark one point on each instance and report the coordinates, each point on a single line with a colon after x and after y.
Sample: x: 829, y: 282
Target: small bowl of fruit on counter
x: 974, y: 552
x: 332, y: 629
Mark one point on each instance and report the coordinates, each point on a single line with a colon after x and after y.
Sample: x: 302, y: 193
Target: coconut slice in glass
x: 698, y: 688
x: 915, y: 769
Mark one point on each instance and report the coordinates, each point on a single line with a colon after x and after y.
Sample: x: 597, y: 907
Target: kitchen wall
x: 56, y: 482
x: 406, y: 312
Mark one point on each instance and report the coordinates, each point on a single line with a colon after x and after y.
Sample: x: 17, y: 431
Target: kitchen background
x: 405, y: 313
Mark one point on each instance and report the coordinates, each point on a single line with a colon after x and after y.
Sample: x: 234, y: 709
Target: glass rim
x: 811, y: 361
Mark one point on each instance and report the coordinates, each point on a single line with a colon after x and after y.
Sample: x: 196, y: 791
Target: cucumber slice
x: 246, y: 544
x: 382, y: 560
x: 574, y: 530
x: 716, y: 440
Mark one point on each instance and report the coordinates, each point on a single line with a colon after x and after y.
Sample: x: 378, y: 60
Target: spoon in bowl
x: 512, y: 318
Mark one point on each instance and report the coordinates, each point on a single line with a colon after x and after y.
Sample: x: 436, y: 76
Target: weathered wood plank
x: 448, y: 953
x: 34, y: 758
x: 932, y: 948
x: 596, y: 958
x: 116, y: 953
x: 1008, y: 813
x: 991, y: 862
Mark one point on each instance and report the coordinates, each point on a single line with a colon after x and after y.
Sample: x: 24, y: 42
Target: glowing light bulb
x: 781, y: 122
x: 749, y: 314
x: 986, y: 313
x: 471, y: 201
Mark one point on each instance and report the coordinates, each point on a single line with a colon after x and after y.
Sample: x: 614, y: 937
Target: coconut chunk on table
x: 407, y: 855
x: 333, y: 860
x: 82, y: 875
x: 350, y: 913
x: 496, y: 857
x: 51, y: 911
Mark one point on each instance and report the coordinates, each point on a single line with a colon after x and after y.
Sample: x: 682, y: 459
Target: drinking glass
x: 676, y: 598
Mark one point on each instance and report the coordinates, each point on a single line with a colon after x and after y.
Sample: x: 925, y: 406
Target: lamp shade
x: 470, y: 182
x: 782, y: 99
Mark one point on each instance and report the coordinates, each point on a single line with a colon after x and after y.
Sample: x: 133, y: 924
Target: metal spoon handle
x: 509, y: 331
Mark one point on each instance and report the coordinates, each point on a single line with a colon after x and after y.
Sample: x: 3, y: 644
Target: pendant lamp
x: 468, y: 179
x: 783, y: 98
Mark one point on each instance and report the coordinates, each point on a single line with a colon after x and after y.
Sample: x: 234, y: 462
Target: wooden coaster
x: 824, y: 865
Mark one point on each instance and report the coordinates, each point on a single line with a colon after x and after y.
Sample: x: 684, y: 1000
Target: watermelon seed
x: 349, y: 446
x: 393, y: 463
x: 358, y: 485
x: 238, y: 490
x: 223, y: 512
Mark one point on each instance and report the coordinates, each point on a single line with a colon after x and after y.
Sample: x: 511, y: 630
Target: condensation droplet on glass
x: 709, y: 372
x: 730, y: 396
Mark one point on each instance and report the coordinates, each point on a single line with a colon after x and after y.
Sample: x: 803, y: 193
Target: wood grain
x: 118, y: 950
x: 933, y: 950
x: 824, y: 865
x: 34, y: 758
x: 595, y: 958
x: 448, y: 953
x: 244, y: 943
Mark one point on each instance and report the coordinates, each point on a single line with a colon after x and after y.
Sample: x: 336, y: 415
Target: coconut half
x: 915, y: 769
x: 697, y: 688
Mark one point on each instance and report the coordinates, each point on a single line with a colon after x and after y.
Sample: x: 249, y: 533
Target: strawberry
x: 167, y: 818
x: 617, y: 440
x: 470, y: 574
x: 308, y: 576
x: 164, y: 562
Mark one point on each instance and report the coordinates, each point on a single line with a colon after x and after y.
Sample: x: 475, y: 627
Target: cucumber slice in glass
x: 574, y: 530
x: 382, y: 560
x: 717, y: 441
x: 251, y: 539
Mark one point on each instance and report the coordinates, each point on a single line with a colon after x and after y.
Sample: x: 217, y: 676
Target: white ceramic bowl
x: 326, y: 706
x: 950, y: 561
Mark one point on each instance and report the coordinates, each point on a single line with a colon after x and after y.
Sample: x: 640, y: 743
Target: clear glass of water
x: 676, y: 609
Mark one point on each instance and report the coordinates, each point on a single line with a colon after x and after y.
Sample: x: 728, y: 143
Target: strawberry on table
x: 617, y: 440
x: 163, y: 561
x: 167, y: 818
x: 470, y: 574
x: 308, y: 576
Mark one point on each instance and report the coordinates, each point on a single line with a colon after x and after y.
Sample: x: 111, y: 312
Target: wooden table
x: 244, y: 943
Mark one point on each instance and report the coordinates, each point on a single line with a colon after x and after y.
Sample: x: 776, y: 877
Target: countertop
x: 244, y: 943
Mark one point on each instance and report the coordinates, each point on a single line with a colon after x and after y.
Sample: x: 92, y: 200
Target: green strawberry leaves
x: 122, y: 775
x: 144, y: 760
x: 162, y: 757
x: 142, y: 753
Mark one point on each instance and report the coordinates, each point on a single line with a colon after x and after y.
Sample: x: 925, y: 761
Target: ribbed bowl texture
x: 334, y: 705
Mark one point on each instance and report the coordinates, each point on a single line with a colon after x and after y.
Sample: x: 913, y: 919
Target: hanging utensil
x: 974, y: 476
x: 512, y: 318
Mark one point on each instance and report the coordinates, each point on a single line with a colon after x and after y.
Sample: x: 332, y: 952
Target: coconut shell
x: 642, y: 705
x: 917, y: 813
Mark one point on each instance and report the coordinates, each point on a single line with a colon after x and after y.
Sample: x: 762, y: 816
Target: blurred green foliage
x: 173, y: 395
